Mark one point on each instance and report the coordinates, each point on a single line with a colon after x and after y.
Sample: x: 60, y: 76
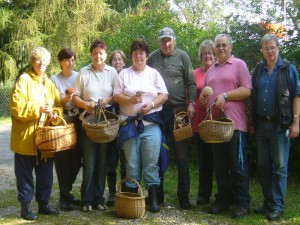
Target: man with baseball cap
x: 176, y: 69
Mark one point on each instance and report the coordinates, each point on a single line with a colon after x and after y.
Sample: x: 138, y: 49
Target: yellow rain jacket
x: 28, y: 95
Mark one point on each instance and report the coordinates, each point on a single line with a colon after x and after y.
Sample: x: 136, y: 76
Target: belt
x: 268, y: 118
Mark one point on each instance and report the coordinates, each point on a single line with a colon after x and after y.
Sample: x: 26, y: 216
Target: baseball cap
x: 166, y: 32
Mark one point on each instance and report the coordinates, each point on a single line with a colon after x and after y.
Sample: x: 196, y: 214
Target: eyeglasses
x: 272, y: 49
x: 223, y: 45
x: 117, y: 60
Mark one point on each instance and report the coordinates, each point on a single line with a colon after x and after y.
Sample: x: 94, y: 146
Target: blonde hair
x: 40, y: 53
x: 209, y: 44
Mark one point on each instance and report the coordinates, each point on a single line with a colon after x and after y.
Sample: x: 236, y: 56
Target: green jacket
x: 178, y: 74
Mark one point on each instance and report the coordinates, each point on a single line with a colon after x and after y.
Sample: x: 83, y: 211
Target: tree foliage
x: 54, y: 24
x: 76, y: 23
x: 148, y: 20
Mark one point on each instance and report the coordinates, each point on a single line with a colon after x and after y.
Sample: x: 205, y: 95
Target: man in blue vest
x: 275, y: 114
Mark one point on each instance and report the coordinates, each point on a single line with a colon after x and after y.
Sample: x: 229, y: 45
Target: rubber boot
x: 45, y: 209
x: 153, y: 201
x: 26, y: 212
x: 111, y: 183
x: 161, y: 193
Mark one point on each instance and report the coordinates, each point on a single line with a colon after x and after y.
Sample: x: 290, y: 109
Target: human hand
x: 46, y: 108
x: 220, y: 101
x: 137, y: 98
x: 146, y: 108
x: 89, y: 107
x: 191, y: 110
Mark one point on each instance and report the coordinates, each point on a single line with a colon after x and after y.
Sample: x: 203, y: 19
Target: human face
x: 139, y: 59
x: 270, y: 51
x: 98, y: 56
x: 223, y: 49
x: 167, y: 45
x: 207, y: 58
x: 67, y: 65
x: 118, y: 62
x: 39, y: 65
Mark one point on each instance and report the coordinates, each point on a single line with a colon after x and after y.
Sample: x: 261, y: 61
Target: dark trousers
x: 232, y: 171
x: 67, y: 166
x: 181, y: 151
x: 24, y: 166
x: 68, y: 163
x: 114, y: 155
x: 205, y: 167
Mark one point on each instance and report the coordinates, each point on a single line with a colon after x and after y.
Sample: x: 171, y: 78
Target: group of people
x: 146, y: 96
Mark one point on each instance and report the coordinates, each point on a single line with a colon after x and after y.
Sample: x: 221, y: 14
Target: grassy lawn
x: 171, y: 214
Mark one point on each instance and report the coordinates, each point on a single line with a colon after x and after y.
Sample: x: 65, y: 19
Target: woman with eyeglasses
x: 117, y: 59
x: 33, y: 96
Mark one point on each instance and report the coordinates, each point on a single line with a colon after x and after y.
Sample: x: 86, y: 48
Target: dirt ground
x: 7, y: 177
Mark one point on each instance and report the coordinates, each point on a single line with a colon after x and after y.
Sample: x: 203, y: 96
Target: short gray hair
x: 206, y: 44
x: 269, y: 37
x: 223, y: 35
x: 40, y: 53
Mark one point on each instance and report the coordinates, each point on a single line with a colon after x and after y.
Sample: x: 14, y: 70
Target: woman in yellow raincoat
x: 33, y: 97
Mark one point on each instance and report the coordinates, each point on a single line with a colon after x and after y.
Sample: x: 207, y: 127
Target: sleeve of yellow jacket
x: 26, y: 100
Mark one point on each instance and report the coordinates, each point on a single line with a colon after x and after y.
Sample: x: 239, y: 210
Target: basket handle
x: 182, y: 113
x: 209, y: 111
x: 101, y: 112
x: 62, y: 119
x: 132, y: 180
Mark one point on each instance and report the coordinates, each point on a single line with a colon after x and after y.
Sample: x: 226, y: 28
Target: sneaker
x: 184, y: 203
x: 202, y: 200
x: 217, y: 208
x: 101, y: 207
x: 66, y: 206
x: 274, y: 215
x: 262, y: 210
x: 86, y: 208
x: 240, y: 212
x: 111, y: 200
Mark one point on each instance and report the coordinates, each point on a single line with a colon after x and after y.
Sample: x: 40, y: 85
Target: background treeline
x: 76, y: 23
x: 56, y: 24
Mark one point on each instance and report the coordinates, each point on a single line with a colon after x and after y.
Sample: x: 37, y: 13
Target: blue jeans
x: 142, y: 155
x: 273, y: 148
x: 94, y: 171
x: 181, y: 151
x: 232, y: 171
x: 205, y: 167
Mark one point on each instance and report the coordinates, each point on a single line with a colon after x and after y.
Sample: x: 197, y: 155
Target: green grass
x: 9, y: 208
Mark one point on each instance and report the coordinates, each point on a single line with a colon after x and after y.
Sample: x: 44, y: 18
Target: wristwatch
x: 225, y: 96
x: 192, y: 102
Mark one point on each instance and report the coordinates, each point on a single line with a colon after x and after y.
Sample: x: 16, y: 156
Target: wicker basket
x: 216, y: 131
x: 101, y: 131
x: 130, y: 205
x: 182, y: 126
x: 56, y: 138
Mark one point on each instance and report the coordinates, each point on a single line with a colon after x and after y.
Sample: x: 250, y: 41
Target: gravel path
x: 7, y: 177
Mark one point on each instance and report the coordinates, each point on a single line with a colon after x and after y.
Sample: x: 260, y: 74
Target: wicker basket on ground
x: 130, y: 205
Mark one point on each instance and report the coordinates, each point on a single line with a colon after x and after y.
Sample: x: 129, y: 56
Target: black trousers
x: 43, y: 168
x: 67, y: 166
